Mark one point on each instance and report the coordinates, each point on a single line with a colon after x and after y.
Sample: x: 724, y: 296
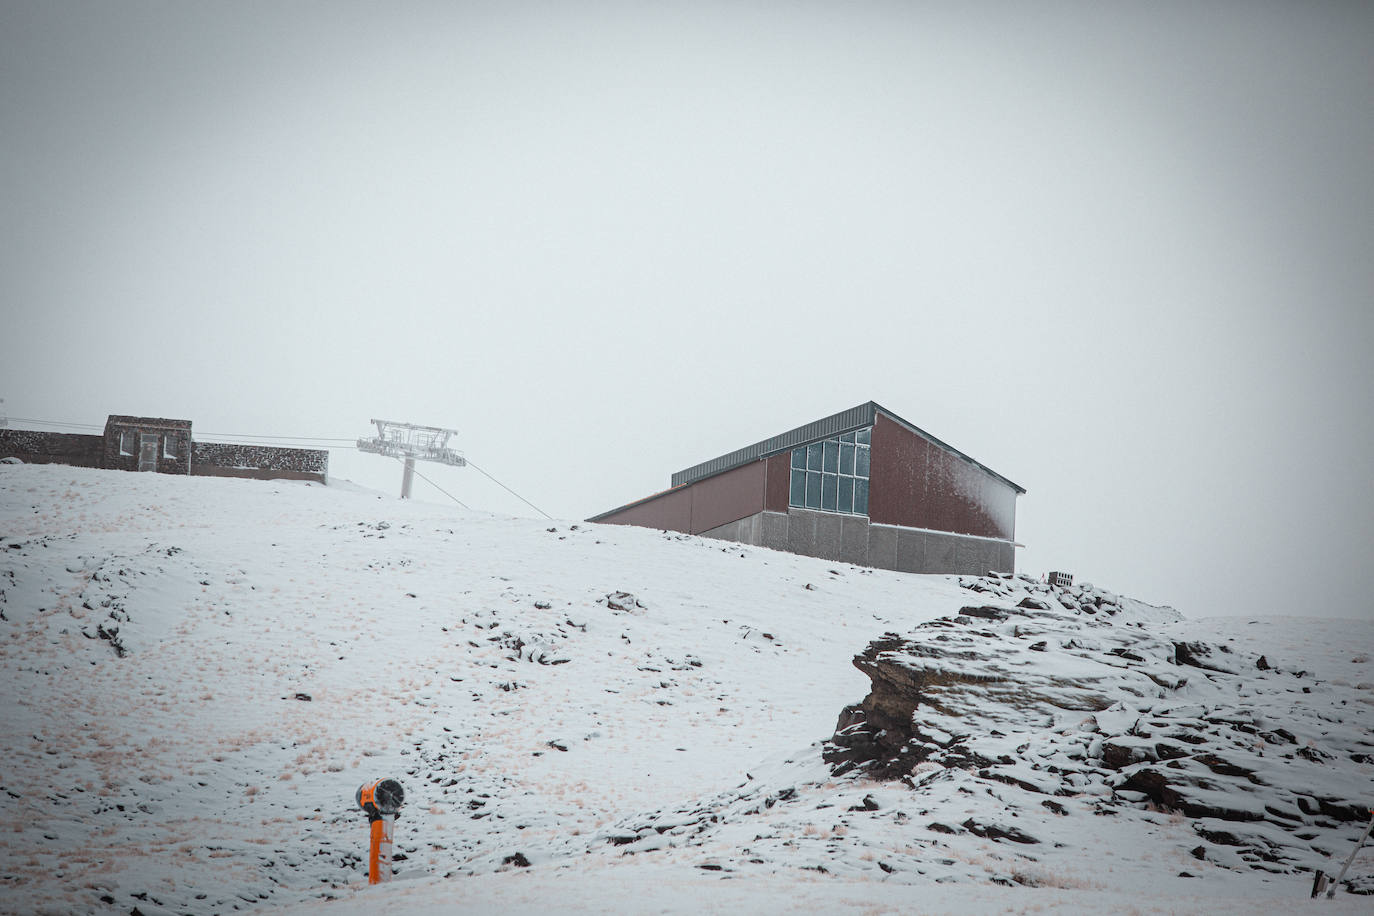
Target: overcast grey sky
x: 1122, y: 254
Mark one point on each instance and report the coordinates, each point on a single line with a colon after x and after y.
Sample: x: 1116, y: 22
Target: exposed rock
x: 869, y: 804
x: 623, y: 601
x: 1031, y: 696
x: 994, y: 831
x: 987, y: 612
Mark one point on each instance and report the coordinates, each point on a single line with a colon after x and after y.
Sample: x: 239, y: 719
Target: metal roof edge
x: 947, y: 447
x: 834, y: 425
x: 837, y: 424
x: 630, y: 505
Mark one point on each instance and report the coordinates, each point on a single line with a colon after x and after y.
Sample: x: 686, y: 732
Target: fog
x: 1124, y: 257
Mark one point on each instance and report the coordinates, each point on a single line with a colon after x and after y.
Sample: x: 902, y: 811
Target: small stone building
x: 163, y: 446
x: 147, y: 444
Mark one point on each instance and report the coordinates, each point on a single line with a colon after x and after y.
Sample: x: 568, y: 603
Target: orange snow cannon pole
x: 379, y: 853
x: 381, y: 800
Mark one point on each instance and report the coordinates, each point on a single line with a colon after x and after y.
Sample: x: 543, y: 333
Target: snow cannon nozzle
x: 381, y: 798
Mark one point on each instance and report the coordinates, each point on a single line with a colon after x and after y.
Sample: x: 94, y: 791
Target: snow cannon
x: 381, y: 800
x: 381, y: 797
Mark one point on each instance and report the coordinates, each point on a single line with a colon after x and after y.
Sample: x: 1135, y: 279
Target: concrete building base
x: 855, y: 540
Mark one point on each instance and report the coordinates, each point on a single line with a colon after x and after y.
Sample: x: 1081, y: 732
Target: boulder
x: 1067, y: 703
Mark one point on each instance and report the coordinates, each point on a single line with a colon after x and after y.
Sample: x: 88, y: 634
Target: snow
x: 203, y: 670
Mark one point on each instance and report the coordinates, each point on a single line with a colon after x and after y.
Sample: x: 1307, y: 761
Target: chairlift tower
x: 407, y: 441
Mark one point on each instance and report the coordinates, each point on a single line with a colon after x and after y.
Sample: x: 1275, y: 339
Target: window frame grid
x: 814, y: 481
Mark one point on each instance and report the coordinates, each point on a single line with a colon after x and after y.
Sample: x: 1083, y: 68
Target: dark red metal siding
x: 777, y: 488
x: 703, y: 505
x: 727, y: 497
x: 897, y: 471
x: 920, y: 485
x: 671, y: 511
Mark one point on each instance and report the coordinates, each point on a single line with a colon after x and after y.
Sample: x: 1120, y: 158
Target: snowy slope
x: 201, y: 671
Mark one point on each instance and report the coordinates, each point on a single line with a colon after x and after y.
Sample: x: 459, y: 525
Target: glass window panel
x: 798, y: 495
x: 861, y: 496
x: 832, y: 456
x: 828, y: 491
x: 861, y: 462
x: 813, y: 456
x: 847, y: 437
x: 799, y: 458
x: 813, y: 489
x: 846, y: 458
x: 865, y: 436
x: 846, y: 503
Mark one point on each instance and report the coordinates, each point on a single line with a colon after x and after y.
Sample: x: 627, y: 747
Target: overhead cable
x: 293, y: 438
x: 509, y: 490
x: 56, y: 423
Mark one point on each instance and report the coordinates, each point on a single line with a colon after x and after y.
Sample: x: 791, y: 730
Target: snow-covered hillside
x: 199, y: 672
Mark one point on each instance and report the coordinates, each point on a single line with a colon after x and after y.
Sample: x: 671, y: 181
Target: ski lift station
x: 862, y: 486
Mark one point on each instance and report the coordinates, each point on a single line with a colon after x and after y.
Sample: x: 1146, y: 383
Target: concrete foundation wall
x: 855, y: 540
x: 744, y: 531
x: 209, y: 470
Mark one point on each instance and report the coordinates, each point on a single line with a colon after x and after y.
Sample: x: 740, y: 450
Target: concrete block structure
x: 862, y: 486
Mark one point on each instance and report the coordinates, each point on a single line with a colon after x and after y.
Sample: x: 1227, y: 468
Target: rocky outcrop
x: 1073, y: 692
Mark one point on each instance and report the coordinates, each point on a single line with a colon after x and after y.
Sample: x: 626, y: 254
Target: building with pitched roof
x: 862, y: 486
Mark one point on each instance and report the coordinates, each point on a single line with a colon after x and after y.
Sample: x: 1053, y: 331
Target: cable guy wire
x: 509, y: 490
x: 436, y: 486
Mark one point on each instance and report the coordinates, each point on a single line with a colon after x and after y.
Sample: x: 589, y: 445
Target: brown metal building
x: 862, y: 486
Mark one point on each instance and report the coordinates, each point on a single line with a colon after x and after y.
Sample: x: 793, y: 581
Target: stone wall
x: 264, y: 462
x: 208, y: 459
x: 35, y: 447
